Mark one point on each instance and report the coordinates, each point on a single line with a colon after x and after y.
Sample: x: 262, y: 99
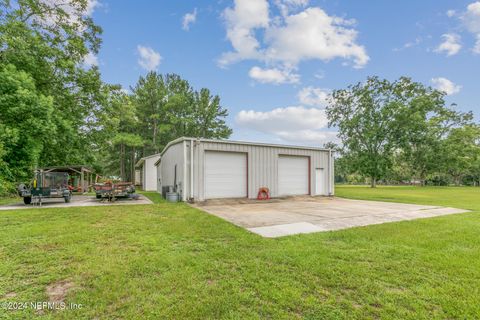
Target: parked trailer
x: 111, y: 191
x: 46, y: 185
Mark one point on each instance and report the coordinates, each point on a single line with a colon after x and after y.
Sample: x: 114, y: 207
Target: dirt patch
x: 10, y: 295
x: 57, y: 291
x: 211, y: 282
x: 48, y: 246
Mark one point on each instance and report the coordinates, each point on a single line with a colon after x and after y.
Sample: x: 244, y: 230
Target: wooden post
x: 82, y: 182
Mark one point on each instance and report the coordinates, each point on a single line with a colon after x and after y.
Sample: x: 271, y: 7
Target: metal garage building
x: 148, y: 172
x: 203, y: 169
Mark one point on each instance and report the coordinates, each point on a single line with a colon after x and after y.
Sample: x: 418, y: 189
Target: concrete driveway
x: 282, y: 217
x: 77, y: 201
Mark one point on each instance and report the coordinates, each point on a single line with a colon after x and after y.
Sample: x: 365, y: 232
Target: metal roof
x: 142, y: 160
x: 72, y: 167
x: 261, y: 144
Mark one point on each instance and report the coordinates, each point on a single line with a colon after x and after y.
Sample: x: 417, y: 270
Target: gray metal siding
x: 150, y: 173
x: 166, y: 169
x: 262, y: 165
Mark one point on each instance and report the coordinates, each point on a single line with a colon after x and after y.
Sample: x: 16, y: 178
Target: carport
x: 81, y: 176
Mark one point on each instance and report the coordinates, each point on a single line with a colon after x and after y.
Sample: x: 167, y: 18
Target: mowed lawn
x: 172, y: 261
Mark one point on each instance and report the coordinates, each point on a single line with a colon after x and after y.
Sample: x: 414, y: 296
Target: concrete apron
x: 296, y: 215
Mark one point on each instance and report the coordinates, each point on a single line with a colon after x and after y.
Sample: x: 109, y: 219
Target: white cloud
x: 412, y: 43
x: 476, y: 48
x: 294, y: 124
x: 309, y: 136
x: 74, y: 11
x: 409, y: 44
x: 242, y: 20
x: 91, y: 6
x: 320, y: 74
x: 311, y: 96
x: 450, y: 45
x: 312, y: 34
x: 286, y: 6
x: 445, y: 85
x: 275, y: 76
x: 90, y: 60
x: 471, y: 20
x: 149, y: 58
x: 188, y: 19
x: 451, y: 13
x: 279, y: 119
x: 284, y: 41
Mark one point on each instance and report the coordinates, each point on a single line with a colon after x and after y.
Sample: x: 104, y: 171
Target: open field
x: 459, y: 197
x: 173, y: 261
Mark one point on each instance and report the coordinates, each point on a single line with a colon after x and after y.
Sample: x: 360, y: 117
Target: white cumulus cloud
x: 314, y: 137
x: 274, y: 75
x: 91, y: 6
x: 90, y: 60
x: 294, y: 118
x: 451, y: 13
x: 255, y: 33
x: 471, y: 20
x: 313, y: 34
x: 286, y: 6
x: 148, y: 59
x: 450, y: 45
x: 476, y: 48
x: 188, y: 19
x: 312, y: 96
x: 73, y: 11
x: 445, y: 85
x: 242, y: 20
x: 295, y: 124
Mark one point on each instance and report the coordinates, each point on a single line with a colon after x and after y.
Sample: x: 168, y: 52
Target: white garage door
x: 225, y: 175
x: 292, y: 175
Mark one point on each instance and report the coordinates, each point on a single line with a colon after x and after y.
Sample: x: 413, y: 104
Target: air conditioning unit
x: 165, y: 190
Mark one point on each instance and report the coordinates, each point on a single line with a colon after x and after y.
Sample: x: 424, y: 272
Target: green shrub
x: 7, y: 188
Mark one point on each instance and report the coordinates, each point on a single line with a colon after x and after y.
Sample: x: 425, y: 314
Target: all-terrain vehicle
x: 46, y: 185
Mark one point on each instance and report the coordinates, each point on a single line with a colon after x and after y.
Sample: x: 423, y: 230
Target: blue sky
x: 273, y: 62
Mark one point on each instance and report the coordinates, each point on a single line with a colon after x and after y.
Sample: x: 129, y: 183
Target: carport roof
x: 72, y: 168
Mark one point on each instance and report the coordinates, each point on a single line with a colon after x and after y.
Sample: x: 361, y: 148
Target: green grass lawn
x: 172, y: 261
x: 9, y: 200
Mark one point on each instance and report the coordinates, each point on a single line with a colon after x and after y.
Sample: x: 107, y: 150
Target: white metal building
x: 207, y: 169
x: 148, y: 172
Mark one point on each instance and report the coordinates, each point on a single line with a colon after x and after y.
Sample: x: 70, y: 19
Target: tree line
x: 160, y: 109
x: 403, y: 132
x: 56, y: 110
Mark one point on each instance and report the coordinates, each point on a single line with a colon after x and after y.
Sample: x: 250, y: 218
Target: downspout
x: 184, y: 193
x: 191, y: 170
x: 330, y: 172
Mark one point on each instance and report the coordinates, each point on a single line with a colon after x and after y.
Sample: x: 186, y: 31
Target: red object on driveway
x: 263, y: 194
